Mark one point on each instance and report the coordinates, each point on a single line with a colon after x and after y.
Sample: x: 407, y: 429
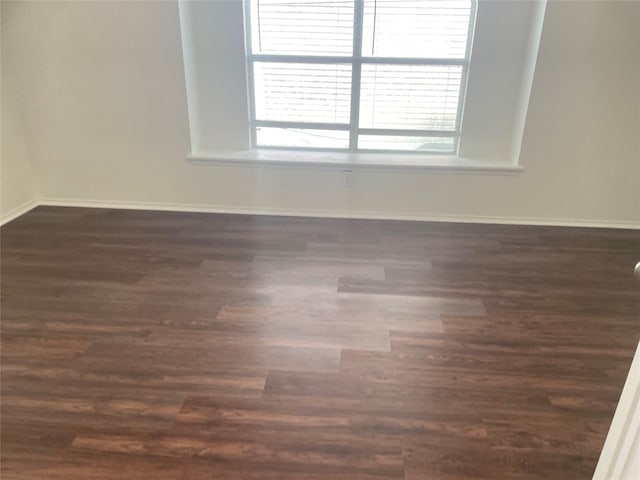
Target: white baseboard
x: 369, y: 215
x: 18, y: 211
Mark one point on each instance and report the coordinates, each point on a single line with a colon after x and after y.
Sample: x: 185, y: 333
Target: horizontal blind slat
x: 302, y: 27
x: 393, y: 96
x: 302, y: 92
x: 416, y: 28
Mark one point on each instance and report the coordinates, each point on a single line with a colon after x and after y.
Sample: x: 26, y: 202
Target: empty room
x: 320, y: 239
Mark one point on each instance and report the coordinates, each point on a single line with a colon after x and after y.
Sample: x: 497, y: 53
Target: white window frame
x: 356, y: 60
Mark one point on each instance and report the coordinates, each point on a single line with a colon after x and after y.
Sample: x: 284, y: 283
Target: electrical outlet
x: 347, y: 178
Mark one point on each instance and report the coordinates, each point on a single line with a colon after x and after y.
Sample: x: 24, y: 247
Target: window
x: 358, y: 75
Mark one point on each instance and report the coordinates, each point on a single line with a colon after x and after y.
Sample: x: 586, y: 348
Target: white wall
x: 497, y: 72
x: 103, y: 91
x: 17, y: 189
x: 213, y: 49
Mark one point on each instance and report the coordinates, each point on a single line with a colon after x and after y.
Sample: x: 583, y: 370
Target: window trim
x: 356, y: 60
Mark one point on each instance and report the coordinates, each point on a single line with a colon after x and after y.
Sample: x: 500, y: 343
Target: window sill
x: 353, y: 161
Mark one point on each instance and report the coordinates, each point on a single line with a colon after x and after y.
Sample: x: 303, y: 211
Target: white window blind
x: 302, y: 93
x: 319, y: 27
x: 416, y: 28
x: 358, y: 75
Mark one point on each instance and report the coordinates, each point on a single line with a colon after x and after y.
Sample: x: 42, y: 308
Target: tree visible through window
x: 358, y: 75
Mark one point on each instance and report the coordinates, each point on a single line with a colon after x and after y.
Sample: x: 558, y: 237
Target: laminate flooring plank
x: 303, y: 452
x: 168, y: 345
x: 200, y: 358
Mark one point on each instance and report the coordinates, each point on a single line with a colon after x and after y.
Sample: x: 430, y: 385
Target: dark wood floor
x: 148, y: 345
